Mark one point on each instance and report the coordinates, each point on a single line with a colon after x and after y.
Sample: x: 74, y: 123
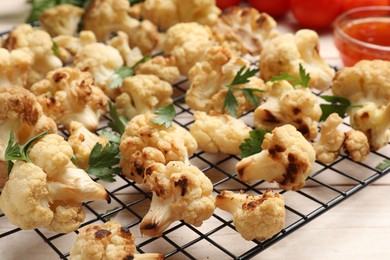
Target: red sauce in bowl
x: 358, y: 37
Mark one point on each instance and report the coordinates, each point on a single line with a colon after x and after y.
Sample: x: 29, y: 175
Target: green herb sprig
x: 165, y: 116
x: 118, y: 122
x: 252, y: 145
x: 337, y: 105
x: 103, y: 162
x: 17, y: 152
x: 303, y: 79
x: 383, y: 165
x: 241, y: 77
x: 124, y: 72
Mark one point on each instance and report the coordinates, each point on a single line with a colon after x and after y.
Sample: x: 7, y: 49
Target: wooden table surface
x: 358, y: 228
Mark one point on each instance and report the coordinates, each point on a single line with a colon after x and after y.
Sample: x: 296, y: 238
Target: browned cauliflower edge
x: 255, y: 217
x: 287, y: 158
x: 109, y: 241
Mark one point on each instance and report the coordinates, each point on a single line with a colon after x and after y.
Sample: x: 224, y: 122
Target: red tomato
x: 350, y: 4
x: 316, y: 13
x: 275, y: 8
x: 223, y: 4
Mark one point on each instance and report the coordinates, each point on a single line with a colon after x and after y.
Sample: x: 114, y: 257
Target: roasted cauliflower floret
x: 21, y: 114
x: 82, y: 141
x: 219, y: 132
x: 209, y: 78
x: 255, y: 217
x: 69, y: 46
x: 188, y: 43
x: 285, y: 52
x: 39, y: 43
x: 143, y: 94
x: 145, y: 142
x: 62, y: 19
x: 356, y: 145
x: 108, y: 241
x: 287, y: 158
x: 163, y: 67
x: 367, y: 85
x: 170, y: 12
x: 129, y: 55
x: 180, y: 192
x: 244, y: 30
x: 67, y: 95
x: 105, y: 17
x: 49, y: 190
x: 101, y: 61
x: 331, y: 140
x: 288, y: 105
x: 15, y: 67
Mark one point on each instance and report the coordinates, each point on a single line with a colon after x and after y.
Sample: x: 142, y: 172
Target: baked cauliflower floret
x: 285, y: 52
x: 62, y: 19
x: 331, y: 140
x: 287, y: 158
x: 367, y: 85
x: 15, y: 67
x: 74, y: 94
x: 170, y: 12
x: 180, y: 192
x: 129, y: 55
x: 144, y: 142
x: 219, y: 132
x: 21, y: 114
x: 163, y: 67
x: 67, y: 95
x: 101, y: 61
x: 244, y: 30
x: 142, y: 94
x: 288, y: 105
x: 109, y: 241
x: 188, y: 43
x: 255, y: 217
x: 209, y: 78
x: 49, y: 190
x: 39, y: 43
x: 82, y: 141
x: 105, y: 17
x: 69, y: 46
x: 356, y: 145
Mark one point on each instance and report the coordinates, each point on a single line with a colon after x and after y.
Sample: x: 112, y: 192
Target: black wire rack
x: 327, y: 186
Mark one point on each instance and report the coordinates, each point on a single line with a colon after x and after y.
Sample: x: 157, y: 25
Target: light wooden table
x: 358, y: 228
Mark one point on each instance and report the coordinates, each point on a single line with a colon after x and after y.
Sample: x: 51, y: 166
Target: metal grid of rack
x: 327, y: 186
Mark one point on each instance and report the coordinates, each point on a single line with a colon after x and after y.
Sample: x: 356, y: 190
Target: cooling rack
x: 327, y: 186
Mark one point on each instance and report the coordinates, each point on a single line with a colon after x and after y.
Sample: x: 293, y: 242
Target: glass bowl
x: 363, y: 33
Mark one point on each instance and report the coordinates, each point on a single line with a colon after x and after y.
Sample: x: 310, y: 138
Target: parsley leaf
x: 383, y: 165
x: 253, y: 144
x: 15, y: 151
x: 103, y: 162
x: 133, y: 2
x: 124, y: 72
x: 231, y: 103
x: 166, y: 115
x: 303, y: 79
x: 338, y: 105
x: 55, y: 49
x: 118, y: 123
x: 241, y: 77
x: 112, y: 136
